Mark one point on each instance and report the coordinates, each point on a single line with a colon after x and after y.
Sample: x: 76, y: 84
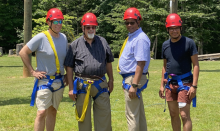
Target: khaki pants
x: 101, y: 110
x: 134, y: 111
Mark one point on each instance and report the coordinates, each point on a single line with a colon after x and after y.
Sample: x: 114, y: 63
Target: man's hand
x: 132, y: 92
x: 192, y: 92
x: 38, y: 74
x: 161, y: 93
x: 110, y: 86
x: 65, y: 81
x: 72, y: 96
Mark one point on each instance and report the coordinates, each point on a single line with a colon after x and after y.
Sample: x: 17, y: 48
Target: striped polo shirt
x: 136, y: 49
x: 89, y: 60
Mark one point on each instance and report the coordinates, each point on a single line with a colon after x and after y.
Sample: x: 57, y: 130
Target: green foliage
x: 11, y: 14
x: 200, y: 20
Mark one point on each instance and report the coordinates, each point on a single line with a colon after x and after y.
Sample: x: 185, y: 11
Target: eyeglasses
x: 174, y: 29
x: 131, y: 23
x: 88, y: 27
x: 55, y: 22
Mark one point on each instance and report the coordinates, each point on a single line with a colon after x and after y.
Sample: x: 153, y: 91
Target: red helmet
x: 173, y: 20
x: 54, y: 14
x: 89, y: 19
x: 132, y: 13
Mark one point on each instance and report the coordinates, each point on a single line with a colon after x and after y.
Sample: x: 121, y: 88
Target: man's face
x: 56, y: 25
x: 89, y: 31
x: 131, y: 25
x: 174, y: 31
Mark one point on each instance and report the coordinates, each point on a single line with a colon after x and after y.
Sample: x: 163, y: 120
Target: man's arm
x: 137, y: 78
x: 161, y: 91
x: 70, y: 80
x: 110, y: 76
x: 195, y: 62
x: 25, y: 51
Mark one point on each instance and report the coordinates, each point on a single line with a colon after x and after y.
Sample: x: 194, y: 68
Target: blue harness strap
x: 127, y: 86
x: 48, y: 86
x: 179, y: 78
x: 83, y: 90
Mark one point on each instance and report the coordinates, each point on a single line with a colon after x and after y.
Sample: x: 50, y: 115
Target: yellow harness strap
x: 86, y: 102
x: 54, y: 50
x: 123, y: 46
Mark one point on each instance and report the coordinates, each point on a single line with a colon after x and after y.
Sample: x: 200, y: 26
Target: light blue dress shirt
x: 136, y: 49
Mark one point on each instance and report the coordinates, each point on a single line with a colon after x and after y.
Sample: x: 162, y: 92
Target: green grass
x: 17, y: 115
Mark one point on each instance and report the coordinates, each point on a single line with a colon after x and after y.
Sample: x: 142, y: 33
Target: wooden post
x: 173, y: 6
x: 27, y: 30
x: 10, y: 52
x: 1, y: 52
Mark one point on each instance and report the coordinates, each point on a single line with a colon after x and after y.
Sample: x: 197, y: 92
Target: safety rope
x: 123, y: 46
x: 54, y: 50
x: 86, y: 102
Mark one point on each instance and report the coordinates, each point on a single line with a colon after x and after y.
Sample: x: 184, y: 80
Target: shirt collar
x: 137, y: 31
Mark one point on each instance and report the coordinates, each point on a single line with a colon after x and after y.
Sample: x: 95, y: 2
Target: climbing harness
x: 86, y: 87
x: 50, y: 78
x: 178, y: 78
x: 127, y: 86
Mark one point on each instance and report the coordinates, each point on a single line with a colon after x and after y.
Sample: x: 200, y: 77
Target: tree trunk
x: 155, y: 54
x: 27, y: 30
x: 200, y: 48
x: 1, y: 52
x: 173, y: 6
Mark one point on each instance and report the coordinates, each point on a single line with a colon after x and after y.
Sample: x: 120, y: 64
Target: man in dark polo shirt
x: 179, y: 53
x: 90, y: 57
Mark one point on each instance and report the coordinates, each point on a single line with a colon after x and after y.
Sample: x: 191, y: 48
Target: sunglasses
x: 131, y: 23
x: 55, y: 22
x: 88, y: 27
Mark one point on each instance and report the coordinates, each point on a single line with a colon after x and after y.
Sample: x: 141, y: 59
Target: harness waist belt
x: 83, y: 90
x: 180, y: 83
x: 127, y: 86
x: 47, y: 86
x: 90, y: 76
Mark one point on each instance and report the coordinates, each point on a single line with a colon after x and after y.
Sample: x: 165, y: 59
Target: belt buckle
x: 52, y: 77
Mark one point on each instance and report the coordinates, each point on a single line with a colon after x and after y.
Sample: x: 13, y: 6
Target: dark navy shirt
x: 178, y: 55
x: 89, y: 60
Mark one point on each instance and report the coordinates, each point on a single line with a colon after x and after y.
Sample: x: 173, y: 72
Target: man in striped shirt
x: 90, y: 57
x: 133, y: 66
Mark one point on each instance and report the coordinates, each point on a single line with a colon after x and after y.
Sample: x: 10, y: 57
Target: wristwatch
x: 194, y: 86
x: 135, y: 85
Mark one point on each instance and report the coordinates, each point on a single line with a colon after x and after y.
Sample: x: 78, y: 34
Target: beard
x: 91, y: 35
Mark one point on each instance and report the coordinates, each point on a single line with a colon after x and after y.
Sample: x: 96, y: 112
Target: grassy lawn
x: 17, y: 115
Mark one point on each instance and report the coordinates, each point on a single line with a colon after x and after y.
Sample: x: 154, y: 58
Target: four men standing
x: 89, y: 58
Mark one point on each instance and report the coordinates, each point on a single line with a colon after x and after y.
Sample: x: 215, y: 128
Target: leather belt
x: 89, y: 76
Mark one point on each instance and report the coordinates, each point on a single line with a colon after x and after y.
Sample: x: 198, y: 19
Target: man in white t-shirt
x: 51, y: 48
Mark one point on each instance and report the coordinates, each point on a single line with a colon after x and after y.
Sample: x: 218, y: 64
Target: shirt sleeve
x: 142, y: 50
x: 70, y: 59
x: 109, y: 55
x: 193, y: 49
x: 35, y: 42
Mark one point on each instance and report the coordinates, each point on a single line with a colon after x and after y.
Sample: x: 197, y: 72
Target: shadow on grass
x: 209, y: 70
x: 24, y: 100
x: 11, y: 66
